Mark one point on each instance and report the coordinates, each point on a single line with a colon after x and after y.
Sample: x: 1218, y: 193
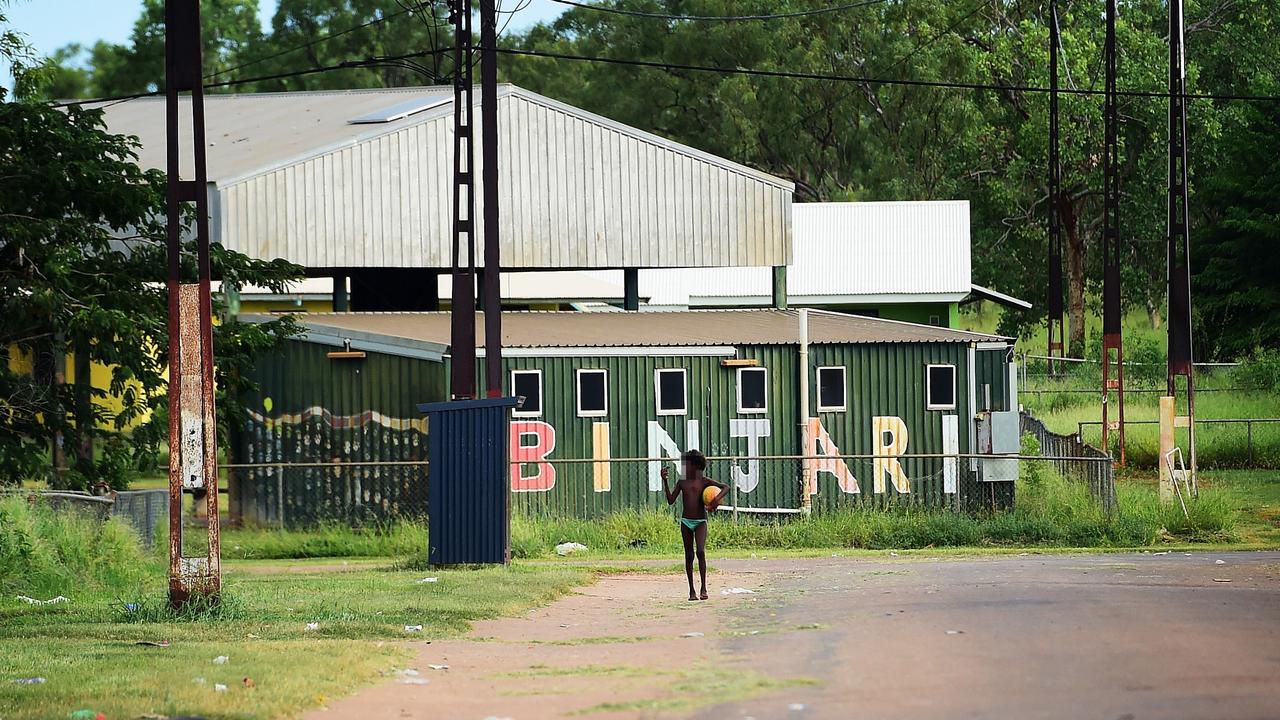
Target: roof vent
x: 400, y: 110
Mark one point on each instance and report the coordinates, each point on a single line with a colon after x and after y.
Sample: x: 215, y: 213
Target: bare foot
x: 703, y: 596
x: 693, y: 596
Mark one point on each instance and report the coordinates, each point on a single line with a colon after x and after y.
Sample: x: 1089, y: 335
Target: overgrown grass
x: 327, y: 540
x: 45, y: 553
x: 1049, y: 512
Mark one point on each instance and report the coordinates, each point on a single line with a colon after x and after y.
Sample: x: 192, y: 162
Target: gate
x: 468, y: 497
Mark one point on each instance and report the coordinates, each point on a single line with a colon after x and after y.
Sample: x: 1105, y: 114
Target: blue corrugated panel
x: 468, y: 503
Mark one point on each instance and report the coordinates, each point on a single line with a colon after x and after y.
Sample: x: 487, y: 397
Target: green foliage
x: 45, y: 553
x: 82, y: 269
x: 1260, y: 371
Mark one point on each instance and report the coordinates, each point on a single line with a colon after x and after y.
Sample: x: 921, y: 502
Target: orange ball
x: 709, y: 495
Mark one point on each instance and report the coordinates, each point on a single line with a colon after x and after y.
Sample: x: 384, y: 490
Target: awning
x: 981, y: 293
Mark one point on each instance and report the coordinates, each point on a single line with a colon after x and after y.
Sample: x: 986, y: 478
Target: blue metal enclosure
x: 468, y: 498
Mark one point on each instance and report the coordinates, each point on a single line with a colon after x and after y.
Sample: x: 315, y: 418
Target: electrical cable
x: 721, y: 18
x: 869, y: 80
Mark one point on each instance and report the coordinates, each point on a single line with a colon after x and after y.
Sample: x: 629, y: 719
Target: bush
x: 47, y: 553
x: 1259, y: 371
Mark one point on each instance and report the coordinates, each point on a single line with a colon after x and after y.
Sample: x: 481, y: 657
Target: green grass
x: 326, y: 541
x: 86, y: 648
x: 1049, y: 513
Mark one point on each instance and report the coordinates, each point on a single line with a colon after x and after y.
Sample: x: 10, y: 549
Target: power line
x: 405, y: 9
x: 723, y: 18
x: 870, y: 80
x: 374, y: 61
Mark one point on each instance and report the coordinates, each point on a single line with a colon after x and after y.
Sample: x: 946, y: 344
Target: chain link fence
x: 1076, y: 460
x: 301, y: 494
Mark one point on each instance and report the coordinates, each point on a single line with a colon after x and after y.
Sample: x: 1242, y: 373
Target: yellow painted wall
x: 269, y: 306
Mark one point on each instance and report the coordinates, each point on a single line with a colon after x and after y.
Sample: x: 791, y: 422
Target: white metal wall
x: 579, y: 191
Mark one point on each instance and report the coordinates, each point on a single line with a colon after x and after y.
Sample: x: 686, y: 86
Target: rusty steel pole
x: 1054, y: 304
x: 489, y: 150
x: 462, y: 335
x: 192, y: 444
x: 1179, y: 250
x: 1112, y: 332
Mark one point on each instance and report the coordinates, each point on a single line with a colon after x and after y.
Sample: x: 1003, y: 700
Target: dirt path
x: 612, y: 649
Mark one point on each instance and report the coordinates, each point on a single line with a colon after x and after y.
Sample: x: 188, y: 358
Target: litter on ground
x: 425, y: 580
x: 30, y: 681
x: 221, y: 660
x: 569, y: 548
x: 737, y: 591
x: 50, y: 601
x: 438, y: 667
x: 692, y: 634
x: 413, y: 628
x: 313, y: 626
x: 219, y: 687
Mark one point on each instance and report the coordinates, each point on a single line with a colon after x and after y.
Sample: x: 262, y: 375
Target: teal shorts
x: 692, y: 524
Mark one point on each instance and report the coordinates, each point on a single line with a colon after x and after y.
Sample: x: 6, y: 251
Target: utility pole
x: 1055, y: 327
x: 1179, y: 258
x: 1112, y: 334
x: 192, y: 445
x: 462, y: 338
x: 492, y: 251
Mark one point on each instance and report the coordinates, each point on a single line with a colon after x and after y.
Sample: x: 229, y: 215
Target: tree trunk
x: 1075, y: 280
x: 84, y: 407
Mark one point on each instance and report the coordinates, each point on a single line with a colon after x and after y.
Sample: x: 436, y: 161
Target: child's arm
x: 724, y: 490
x: 672, y: 492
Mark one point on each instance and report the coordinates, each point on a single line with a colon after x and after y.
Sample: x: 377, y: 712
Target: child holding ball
x: 693, y: 486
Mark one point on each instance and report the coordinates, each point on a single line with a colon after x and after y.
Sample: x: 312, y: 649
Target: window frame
x: 928, y: 388
x: 844, y: 396
x: 657, y: 390
x: 542, y: 393
x: 753, y: 411
x: 577, y: 382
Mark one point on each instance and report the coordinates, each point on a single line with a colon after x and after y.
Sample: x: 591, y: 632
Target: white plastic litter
x: 955, y: 632
x: 737, y: 591
x: 569, y: 548
x: 426, y: 580
x: 410, y: 672
x: 413, y: 628
x: 221, y: 660
x: 414, y: 681
x: 219, y: 687
x: 893, y: 554
x: 692, y: 634
x: 313, y: 626
x: 796, y: 707
x: 50, y: 601
x: 1219, y: 562
x: 438, y: 667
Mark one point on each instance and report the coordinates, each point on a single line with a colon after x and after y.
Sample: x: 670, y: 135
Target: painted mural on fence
x: 533, y: 443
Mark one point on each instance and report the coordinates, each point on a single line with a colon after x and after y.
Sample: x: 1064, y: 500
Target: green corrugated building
x: 605, y: 393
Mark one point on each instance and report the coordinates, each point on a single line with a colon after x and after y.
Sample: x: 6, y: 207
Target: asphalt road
x: 1114, y: 637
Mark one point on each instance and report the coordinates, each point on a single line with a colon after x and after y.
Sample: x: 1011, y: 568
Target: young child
x: 693, y: 514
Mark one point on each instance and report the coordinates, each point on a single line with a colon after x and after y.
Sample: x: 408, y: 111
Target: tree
x: 1236, y: 269
x: 229, y: 28
x: 82, y: 269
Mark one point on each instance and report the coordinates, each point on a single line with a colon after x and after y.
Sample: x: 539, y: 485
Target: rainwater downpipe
x: 806, y: 500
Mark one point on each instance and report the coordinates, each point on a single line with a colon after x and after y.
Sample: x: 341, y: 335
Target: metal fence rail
x: 1076, y: 460
x: 300, y: 494
x: 1247, y: 422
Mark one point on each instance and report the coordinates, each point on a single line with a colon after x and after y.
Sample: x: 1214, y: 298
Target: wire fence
x: 1075, y: 460
x: 301, y: 494
x: 1219, y: 442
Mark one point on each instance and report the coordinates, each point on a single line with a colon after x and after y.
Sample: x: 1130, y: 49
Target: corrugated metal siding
x: 469, y: 503
x: 300, y: 378
x: 889, y: 380
x: 993, y: 369
x: 578, y: 191
x: 845, y: 250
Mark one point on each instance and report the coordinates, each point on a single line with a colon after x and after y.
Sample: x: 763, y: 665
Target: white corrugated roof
x: 881, y: 251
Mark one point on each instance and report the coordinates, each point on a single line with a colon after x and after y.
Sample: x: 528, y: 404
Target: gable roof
x: 364, y: 178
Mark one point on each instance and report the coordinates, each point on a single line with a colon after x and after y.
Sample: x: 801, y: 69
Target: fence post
x: 1249, y: 425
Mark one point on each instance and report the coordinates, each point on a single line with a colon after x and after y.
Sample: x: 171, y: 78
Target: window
x: 935, y: 320
x: 940, y: 390
x: 593, y: 395
x: 527, y: 384
x: 831, y: 391
x: 669, y: 387
x: 752, y: 390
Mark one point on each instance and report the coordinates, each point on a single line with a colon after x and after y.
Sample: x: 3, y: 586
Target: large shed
x: 606, y: 394
x: 359, y: 183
